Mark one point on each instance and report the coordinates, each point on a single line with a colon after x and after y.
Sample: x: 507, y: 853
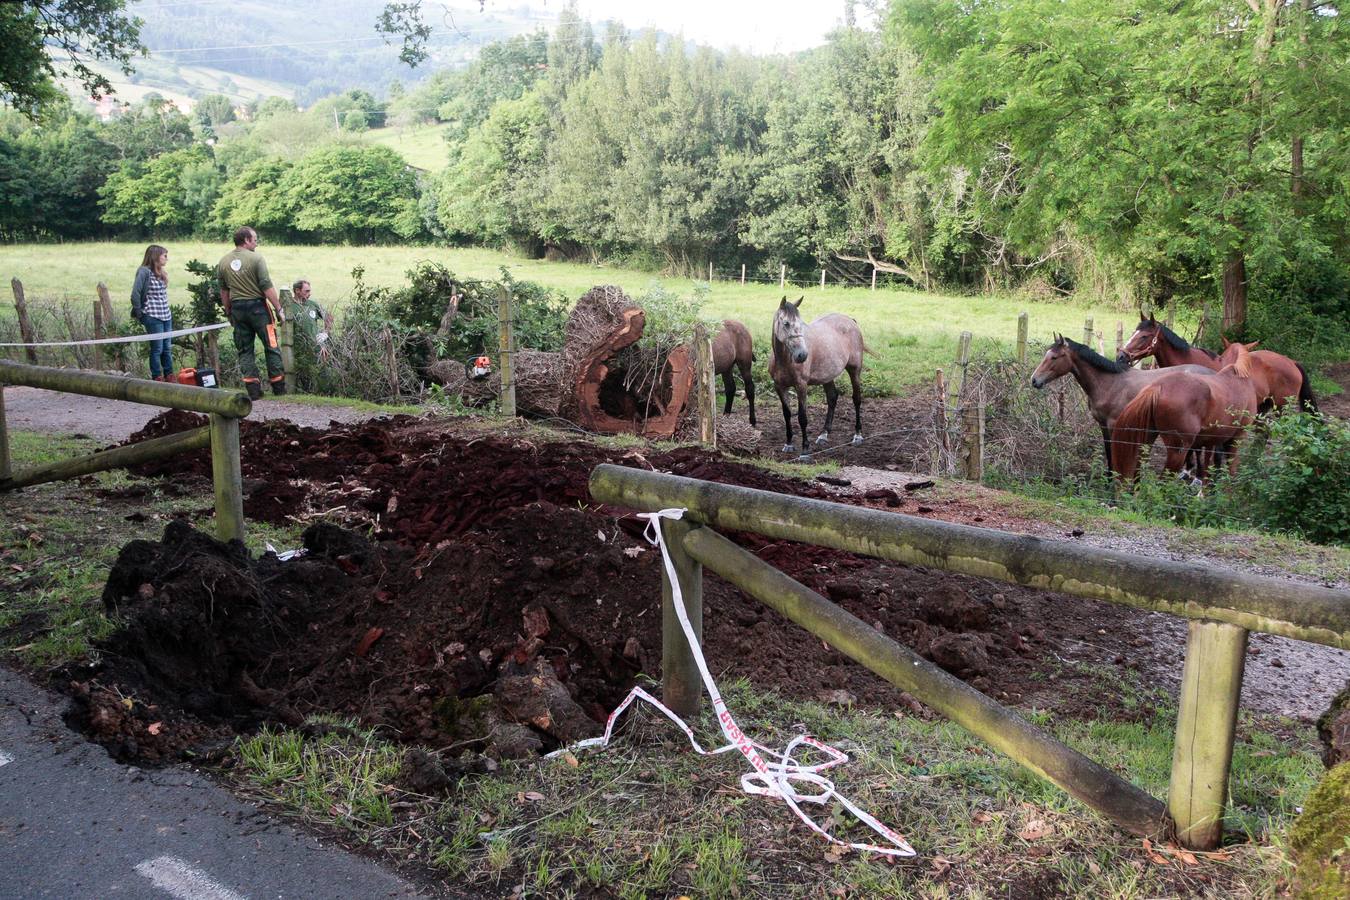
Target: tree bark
x: 1234, y: 291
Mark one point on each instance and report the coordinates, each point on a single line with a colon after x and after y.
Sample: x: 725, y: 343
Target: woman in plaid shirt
x: 150, y: 306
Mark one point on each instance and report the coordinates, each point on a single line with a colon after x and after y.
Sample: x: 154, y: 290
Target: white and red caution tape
x: 126, y: 339
x: 778, y: 776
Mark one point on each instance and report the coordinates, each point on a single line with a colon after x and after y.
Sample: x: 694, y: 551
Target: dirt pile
x: 498, y: 609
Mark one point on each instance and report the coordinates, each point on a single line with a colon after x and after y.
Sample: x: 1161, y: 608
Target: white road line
x: 172, y: 875
x: 5, y: 758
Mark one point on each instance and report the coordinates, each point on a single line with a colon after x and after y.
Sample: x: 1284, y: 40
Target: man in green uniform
x: 250, y: 300
x: 308, y: 315
x: 312, y: 327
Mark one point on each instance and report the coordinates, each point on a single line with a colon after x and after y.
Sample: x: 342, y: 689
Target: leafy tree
x: 353, y: 193
x: 273, y: 106
x: 835, y: 178
x: 214, y: 109
x: 1163, y: 132
x: 491, y: 192
x: 255, y: 197
x: 151, y: 127
x: 52, y: 173
x: 171, y: 193
x: 81, y: 30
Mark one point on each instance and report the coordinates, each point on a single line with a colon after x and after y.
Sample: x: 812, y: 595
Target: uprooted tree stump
x: 586, y: 383
x: 596, y: 394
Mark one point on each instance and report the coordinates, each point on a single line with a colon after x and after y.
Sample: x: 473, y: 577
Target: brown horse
x: 1277, y: 377
x: 1109, y: 386
x: 1188, y: 412
x: 732, y: 348
x: 804, y: 355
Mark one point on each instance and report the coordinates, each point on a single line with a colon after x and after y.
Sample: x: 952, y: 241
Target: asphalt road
x: 76, y: 824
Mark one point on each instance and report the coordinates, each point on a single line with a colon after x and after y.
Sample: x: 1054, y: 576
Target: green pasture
x: 422, y: 146
x: 910, y: 333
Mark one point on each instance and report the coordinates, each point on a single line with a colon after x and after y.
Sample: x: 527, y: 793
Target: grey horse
x: 804, y: 355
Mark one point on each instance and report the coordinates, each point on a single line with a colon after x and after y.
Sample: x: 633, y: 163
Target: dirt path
x: 53, y: 412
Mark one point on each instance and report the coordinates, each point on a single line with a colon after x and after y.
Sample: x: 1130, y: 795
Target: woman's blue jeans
x: 161, y: 357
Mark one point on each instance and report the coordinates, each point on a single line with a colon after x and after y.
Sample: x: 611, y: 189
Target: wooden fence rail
x: 225, y: 409
x: 1223, y: 605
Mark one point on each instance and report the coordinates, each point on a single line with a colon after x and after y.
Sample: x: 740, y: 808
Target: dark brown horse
x: 1188, y: 412
x: 1277, y: 378
x: 1109, y: 386
x: 804, y: 355
x: 732, y: 348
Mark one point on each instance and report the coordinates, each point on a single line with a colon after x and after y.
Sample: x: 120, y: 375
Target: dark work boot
x: 279, y: 388
x: 254, y: 390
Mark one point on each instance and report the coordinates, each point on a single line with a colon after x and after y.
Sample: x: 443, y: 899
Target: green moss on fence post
x: 1321, y: 839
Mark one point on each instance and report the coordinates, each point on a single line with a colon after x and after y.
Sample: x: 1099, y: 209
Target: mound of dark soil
x: 497, y: 609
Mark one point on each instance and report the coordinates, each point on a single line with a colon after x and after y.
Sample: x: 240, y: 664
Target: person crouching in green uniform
x: 249, y: 298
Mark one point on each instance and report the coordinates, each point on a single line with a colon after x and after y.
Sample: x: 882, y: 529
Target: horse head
x: 789, y: 329
x: 1057, y: 362
x: 1142, y: 343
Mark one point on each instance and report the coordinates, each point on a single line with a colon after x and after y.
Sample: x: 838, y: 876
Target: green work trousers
x: 251, y: 319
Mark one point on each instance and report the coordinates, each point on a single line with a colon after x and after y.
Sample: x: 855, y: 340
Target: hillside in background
x: 251, y: 49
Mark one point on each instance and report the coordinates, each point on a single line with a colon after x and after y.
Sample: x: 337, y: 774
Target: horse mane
x: 1242, y: 366
x: 1178, y: 342
x: 1095, y: 359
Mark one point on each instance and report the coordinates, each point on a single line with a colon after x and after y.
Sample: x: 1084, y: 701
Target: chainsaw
x: 479, y: 367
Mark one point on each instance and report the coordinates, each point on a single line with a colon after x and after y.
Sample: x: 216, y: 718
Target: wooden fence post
x: 287, y: 343
x: 710, y: 272
x: 705, y: 387
x: 1101, y: 343
x: 681, y: 682
x: 1211, y: 681
x: 506, y: 348
x: 822, y: 279
x: 1120, y: 336
x: 1022, y: 338
x: 1087, y: 332
x: 228, y: 479
x: 391, y: 364
x: 213, y: 354
x: 742, y: 273
x: 874, y: 278
x: 782, y: 276
x: 958, y: 379
x: 940, y: 423
x: 972, y: 440
x: 25, y: 325
x: 5, y: 470
x: 99, y: 334
x: 106, y: 299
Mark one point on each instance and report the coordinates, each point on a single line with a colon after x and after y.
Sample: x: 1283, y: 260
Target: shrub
x: 1302, y: 481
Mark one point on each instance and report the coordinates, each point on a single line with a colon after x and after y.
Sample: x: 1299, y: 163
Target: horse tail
x: 1306, y: 401
x: 1133, y: 429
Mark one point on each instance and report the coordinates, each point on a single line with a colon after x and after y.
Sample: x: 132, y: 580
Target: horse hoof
x: 824, y: 436
x: 857, y: 439
x: 805, y: 457
x: 788, y: 448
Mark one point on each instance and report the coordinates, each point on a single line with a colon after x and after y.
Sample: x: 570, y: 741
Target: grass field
x: 911, y: 333
x: 421, y: 145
